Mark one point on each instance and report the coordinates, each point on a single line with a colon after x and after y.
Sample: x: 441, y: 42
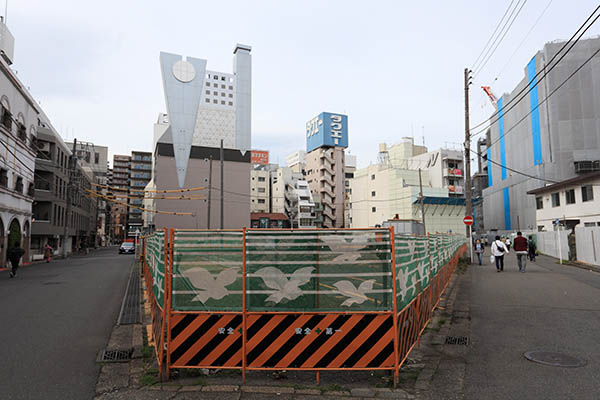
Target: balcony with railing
x: 453, y: 172
x: 455, y: 189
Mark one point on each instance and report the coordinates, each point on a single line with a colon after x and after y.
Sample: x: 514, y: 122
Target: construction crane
x: 491, y: 95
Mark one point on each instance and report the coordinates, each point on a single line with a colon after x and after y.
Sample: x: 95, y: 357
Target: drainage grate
x: 115, y: 356
x: 458, y: 340
x: 131, y: 308
x: 52, y: 283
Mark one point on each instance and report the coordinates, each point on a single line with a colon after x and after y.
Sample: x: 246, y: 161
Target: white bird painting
x: 210, y: 288
x: 355, y: 296
x: 350, y: 252
x: 404, y: 282
x: 286, y: 288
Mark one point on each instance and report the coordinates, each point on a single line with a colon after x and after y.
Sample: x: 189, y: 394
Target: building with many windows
x: 95, y: 157
x: 205, y: 108
x: 326, y: 139
x: 390, y: 189
x: 19, y: 120
x: 260, y: 189
x: 140, y: 173
x: 120, y: 190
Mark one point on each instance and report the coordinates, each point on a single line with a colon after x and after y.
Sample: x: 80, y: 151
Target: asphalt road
x: 54, y: 319
x: 551, y: 308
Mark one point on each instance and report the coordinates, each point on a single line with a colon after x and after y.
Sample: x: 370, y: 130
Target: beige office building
x: 391, y: 188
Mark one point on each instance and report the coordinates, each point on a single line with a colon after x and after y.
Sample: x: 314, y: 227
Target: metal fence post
x: 394, y: 307
x: 244, y: 305
x: 168, y: 306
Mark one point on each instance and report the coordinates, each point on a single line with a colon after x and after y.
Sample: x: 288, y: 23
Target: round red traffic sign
x: 468, y: 220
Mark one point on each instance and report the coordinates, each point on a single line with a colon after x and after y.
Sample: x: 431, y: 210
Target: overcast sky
x: 395, y: 68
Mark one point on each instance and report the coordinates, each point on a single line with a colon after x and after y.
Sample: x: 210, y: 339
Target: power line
x: 512, y: 169
x: 523, y: 41
x: 536, y: 76
x: 493, y: 34
x: 480, y: 68
x: 546, y: 98
x: 17, y: 158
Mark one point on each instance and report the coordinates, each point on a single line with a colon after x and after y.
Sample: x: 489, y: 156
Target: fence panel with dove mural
x: 319, y: 270
x: 207, y: 271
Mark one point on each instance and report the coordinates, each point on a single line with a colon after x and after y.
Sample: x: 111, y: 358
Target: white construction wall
x: 547, y: 243
x: 588, y: 245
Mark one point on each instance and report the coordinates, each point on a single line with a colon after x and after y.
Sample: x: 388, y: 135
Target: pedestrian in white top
x: 499, y: 249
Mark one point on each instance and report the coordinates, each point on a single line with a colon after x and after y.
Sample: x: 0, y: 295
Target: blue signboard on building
x: 327, y: 130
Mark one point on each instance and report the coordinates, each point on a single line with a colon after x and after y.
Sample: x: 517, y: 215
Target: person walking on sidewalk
x: 498, y: 251
x: 532, y: 248
x: 507, y: 242
x: 521, y: 249
x: 14, y: 256
x: 48, y: 253
x: 479, y: 250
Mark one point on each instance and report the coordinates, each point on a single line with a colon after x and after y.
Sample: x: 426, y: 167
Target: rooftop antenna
x: 6, y: 12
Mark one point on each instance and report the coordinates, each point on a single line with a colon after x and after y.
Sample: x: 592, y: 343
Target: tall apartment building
x: 260, y: 182
x: 556, y: 140
x: 215, y: 108
x: 140, y: 173
x: 260, y: 190
x: 120, y: 187
x: 326, y: 139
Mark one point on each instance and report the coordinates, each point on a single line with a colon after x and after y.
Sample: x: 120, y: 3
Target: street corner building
x: 204, y: 110
x: 544, y: 130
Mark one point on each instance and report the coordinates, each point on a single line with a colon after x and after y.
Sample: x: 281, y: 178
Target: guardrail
x: 304, y: 299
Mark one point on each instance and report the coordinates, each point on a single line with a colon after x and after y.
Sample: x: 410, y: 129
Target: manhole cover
x: 554, y: 359
x: 458, y: 340
x: 115, y: 356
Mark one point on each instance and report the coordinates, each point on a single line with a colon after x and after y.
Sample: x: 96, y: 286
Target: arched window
x: 5, y: 115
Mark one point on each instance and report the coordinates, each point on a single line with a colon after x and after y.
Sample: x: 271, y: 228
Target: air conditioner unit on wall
x: 43, y: 146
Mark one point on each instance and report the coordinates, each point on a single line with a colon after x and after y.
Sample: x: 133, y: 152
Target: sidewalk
x: 60, y: 257
x: 550, y: 307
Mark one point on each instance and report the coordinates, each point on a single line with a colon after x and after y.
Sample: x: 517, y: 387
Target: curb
x: 368, y: 393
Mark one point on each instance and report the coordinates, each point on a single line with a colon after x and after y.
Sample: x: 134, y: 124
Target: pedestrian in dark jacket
x: 14, y: 256
x: 521, y: 249
x: 532, y: 248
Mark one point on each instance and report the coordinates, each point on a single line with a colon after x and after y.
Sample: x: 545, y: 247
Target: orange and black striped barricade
x: 205, y: 315
x: 319, y: 299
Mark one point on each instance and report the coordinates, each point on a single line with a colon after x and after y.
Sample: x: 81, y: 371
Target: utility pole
x: 221, y: 156
x: 422, y: 198
x: 209, y: 190
x: 71, y: 172
x: 469, y: 206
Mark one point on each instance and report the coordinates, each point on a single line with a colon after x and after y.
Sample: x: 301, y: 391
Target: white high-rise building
x: 204, y: 108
